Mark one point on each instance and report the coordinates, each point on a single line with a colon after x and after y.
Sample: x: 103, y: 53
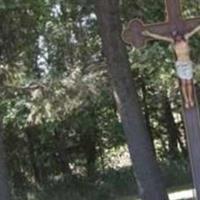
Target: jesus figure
x: 184, y: 65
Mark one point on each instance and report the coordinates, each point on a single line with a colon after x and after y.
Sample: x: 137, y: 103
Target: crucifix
x: 177, y: 31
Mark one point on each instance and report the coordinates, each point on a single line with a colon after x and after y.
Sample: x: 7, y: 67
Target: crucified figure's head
x: 178, y: 36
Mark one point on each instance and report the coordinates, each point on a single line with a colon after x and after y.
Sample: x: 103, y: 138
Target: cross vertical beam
x: 192, y: 127
x: 173, y: 10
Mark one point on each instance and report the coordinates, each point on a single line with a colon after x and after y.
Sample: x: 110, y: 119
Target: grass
x: 112, y: 184
x: 180, y: 188
x: 170, y: 191
x: 62, y: 193
x: 127, y: 198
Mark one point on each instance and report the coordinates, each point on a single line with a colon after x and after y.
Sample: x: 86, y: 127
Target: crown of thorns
x: 176, y: 33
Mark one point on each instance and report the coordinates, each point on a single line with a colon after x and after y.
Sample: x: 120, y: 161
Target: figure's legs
x: 184, y: 92
x: 190, y: 92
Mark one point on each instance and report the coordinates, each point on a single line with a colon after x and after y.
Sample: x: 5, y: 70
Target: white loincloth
x: 184, y: 69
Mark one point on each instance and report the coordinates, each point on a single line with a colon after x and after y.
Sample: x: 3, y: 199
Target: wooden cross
x: 174, y: 22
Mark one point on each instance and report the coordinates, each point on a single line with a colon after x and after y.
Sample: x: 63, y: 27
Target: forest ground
x: 178, y: 195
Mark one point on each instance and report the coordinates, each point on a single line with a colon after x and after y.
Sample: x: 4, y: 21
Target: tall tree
x: 147, y: 172
x: 4, y: 186
x: 172, y: 129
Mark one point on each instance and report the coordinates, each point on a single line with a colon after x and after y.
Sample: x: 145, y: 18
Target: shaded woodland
x: 83, y: 116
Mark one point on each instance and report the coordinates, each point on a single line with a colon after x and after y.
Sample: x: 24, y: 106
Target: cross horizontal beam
x: 174, y: 21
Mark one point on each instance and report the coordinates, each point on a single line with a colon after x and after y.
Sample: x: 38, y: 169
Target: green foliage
x: 57, y: 106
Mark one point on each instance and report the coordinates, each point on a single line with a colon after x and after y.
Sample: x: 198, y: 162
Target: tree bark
x: 4, y: 183
x: 63, y: 155
x: 171, y: 127
x: 174, y: 135
x: 30, y: 131
x: 147, y: 172
x: 90, y: 154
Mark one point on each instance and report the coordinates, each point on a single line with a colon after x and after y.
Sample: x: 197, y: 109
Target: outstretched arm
x: 156, y: 36
x: 188, y: 35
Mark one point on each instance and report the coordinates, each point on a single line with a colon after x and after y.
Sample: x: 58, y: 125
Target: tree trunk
x: 173, y: 131
x: 62, y: 154
x: 30, y: 131
x: 90, y: 153
x: 147, y: 172
x: 4, y: 186
x: 171, y: 127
